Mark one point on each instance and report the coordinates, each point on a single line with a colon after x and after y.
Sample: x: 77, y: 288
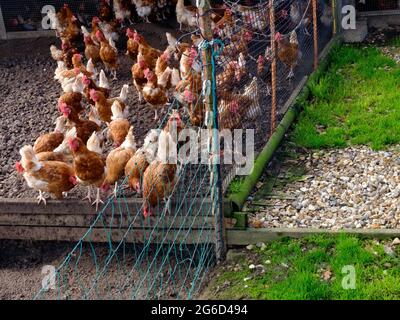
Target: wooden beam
x: 252, y: 235
x: 105, y: 235
x: 78, y: 207
x: 379, y: 13
x: 107, y: 221
x: 30, y: 34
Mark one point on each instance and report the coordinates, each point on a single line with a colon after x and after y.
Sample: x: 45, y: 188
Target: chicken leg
x: 291, y: 74
x: 116, y: 190
x: 114, y: 74
x: 155, y: 115
x: 41, y: 198
x: 98, y: 200
x: 89, y: 195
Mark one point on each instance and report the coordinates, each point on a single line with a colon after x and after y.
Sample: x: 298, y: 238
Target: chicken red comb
x: 278, y: 36
x: 234, y: 106
x: 73, y: 143
x: 99, y: 34
x: 146, y: 211
x: 193, y: 52
x: 248, y: 35
x: 165, y: 56
x: 136, y: 36
x: 85, y: 80
x: 95, y: 20
x: 93, y: 94
x: 77, y: 56
x: 66, y: 5
x: 105, y: 187
x: 73, y: 180
x: 61, y: 105
x: 189, y: 96
x: 147, y: 73
x: 129, y: 32
x: 142, y: 64
x: 18, y: 167
x: 65, y: 109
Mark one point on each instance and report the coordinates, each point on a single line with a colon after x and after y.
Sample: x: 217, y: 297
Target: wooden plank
x: 252, y: 235
x: 30, y: 34
x: 101, y: 235
x: 379, y: 13
x: 78, y: 207
x: 107, y: 220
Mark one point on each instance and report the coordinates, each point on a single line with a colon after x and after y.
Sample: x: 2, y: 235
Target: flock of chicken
x: 72, y: 154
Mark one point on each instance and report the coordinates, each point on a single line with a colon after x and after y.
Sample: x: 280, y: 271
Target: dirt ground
x: 127, y: 276
x: 29, y: 97
x: 21, y: 266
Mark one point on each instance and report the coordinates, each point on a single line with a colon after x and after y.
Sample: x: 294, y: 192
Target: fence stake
x: 273, y: 65
x: 333, y: 8
x: 315, y: 29
x: 211, y: 106
x: 3, y: 32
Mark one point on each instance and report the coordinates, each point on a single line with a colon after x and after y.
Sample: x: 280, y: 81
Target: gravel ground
x: 351, y: 188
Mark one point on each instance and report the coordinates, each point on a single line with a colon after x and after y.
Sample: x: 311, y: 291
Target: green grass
x: 235, y: 186
x: 297, y: 267
x: 357, y: 101
x: 395, y: 42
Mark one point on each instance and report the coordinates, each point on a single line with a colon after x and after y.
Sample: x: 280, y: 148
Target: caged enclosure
x: 159, y: 221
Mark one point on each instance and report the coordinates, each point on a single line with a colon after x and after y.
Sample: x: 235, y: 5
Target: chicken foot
x: 114, y: 74
x: 168, y: 205
x: 116, y: 190
x: 89, y: 195
x: 41, y: 198
x: 291, y: 74
x: 98, y: 200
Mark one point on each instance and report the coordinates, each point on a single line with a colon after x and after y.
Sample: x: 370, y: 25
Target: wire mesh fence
x: 163, y: 244
x: 269, y: 48
x: 245, y: 60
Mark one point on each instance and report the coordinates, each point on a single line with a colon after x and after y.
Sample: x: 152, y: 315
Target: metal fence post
x: 3, y: 33
x: 315, y: 32
x: 334, y: 17
x: 273, y: 65
x: 212, y: 107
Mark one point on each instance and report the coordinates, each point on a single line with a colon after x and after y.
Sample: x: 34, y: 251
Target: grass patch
x: 311, y: 268
x: 357, y: 101
x: 235, y: 186
x: 395, y: 42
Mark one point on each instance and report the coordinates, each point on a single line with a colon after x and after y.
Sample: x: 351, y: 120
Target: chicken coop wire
x: 164, y: 256
x: 253, y: 87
